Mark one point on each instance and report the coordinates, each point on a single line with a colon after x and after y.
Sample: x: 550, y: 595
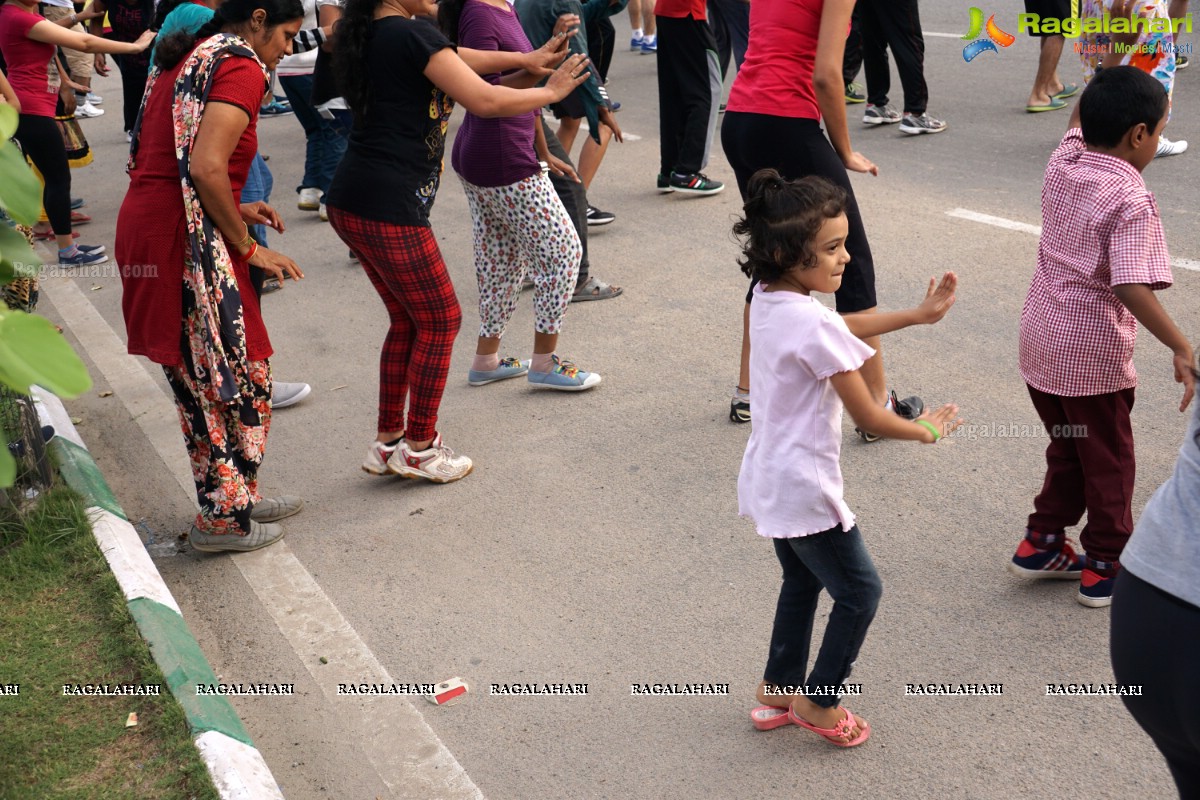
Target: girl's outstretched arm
x: 938, y: 299
x: 874, y: 418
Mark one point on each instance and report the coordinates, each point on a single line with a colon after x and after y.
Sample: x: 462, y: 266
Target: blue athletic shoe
x: 565, y: 377
x: 509, y: 368
x: 1058, y: 563
x: 91, y: 248
x: 82, y: 258
x: 649, y: 46
x: 1095, y: 590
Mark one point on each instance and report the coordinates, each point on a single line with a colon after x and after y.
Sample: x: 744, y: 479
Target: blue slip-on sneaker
x: 565, y: 377
x: 82, y: 258
x: 509, y: 368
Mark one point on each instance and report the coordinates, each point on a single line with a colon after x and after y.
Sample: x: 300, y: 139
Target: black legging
x: 797, y: 148
x: 41, y: 141
x: 1155, y: 643
x: 134, y: 71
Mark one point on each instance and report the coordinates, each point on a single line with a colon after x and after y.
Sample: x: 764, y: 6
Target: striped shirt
x: 1100, y: 229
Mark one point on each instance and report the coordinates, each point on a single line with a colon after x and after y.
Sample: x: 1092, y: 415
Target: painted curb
x: 236, y: 767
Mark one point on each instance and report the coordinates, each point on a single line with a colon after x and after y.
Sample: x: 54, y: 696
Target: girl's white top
x: 791, y: 482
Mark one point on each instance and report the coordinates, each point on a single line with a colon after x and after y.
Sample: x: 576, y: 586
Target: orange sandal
x: 834, y: 735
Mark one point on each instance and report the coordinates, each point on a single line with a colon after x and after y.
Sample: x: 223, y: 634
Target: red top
x: 28, y: 62
x: 776, y: 77
x: 1100, y: 229
x: 679, y: 9
x: 151, y: 230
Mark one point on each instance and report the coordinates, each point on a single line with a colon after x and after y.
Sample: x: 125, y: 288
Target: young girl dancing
x: 805, y: 364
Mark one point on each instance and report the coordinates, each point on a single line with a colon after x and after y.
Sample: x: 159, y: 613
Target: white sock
x: 649, y: 38
x: 637, y: 33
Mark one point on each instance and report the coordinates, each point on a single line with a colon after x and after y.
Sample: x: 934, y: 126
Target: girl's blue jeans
x: 837, y: 561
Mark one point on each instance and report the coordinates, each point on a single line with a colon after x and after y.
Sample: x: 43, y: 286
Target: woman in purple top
x: 519, y: 222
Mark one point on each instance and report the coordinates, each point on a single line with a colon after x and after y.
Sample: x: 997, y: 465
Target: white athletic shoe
x: 437, y: 463
x: 288, y: 394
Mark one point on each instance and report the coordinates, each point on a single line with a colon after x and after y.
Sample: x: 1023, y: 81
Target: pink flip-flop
x: 767, y: 718
x: 832, y: 735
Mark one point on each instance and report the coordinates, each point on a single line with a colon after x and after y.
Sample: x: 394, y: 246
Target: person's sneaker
x: 323, y: 212
x: 377, y: 458
x: 664, y: 184
x: 509, y: 368
x: 649, y: 46
x: 739, y: 406
x: 96, y: 99
x: 353, y: 258
x: 128, y: 136
x: 309, y: 199
x: 695, y: 183
x: 91, y: 248
x: 1095, y: 590
x: 82, y: 258
x: 1181, y: 61
x: 273, y: 509
x: 271, y: 285
x: 880, y: 115
x: 77, y: 203
x: 914, y: 125
x: 274, y: 109
x: 565, y: 377
x: 855, y: 93
x: 635, y: 44
x: 437, y: 463
x: 597, y: 217
x: 88, y: 110
x: 260, y: 535
x: 1056, y: 563
x: 288, y: 394
x: 1166, y: 147
x: 909, y: 408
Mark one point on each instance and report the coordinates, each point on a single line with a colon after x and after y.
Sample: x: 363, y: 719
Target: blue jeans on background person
x: 326, y: 140
x: 836, y: 561
x: 259, y: 183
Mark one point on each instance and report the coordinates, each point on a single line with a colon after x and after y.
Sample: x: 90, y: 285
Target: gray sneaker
x: 914, y: 125
x: 288, y: 394
x: 273, y: 509
x: 260, y: 536
x: 880, y: 115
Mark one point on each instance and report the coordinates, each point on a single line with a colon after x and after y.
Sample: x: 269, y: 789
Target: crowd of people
x: 373, y: 83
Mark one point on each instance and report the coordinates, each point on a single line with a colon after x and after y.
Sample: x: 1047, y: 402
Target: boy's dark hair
x: 782, y: 219
x: 1117, y: 99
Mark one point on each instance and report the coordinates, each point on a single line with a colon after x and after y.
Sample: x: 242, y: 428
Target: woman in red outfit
x: 28, y: 42
x: 184, y: 249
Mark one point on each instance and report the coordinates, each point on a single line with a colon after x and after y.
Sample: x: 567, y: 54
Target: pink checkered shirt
x: 1100, y: 228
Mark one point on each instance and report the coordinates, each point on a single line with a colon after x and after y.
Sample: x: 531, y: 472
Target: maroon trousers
x: 1089, y: 467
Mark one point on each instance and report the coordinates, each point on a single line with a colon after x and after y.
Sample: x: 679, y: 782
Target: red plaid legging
x: 406, y: 268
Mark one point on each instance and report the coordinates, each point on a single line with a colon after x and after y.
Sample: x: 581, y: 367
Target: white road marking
x: 404, y: 751
x: 1036, y: 230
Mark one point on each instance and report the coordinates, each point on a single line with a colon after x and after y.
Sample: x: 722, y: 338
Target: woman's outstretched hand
x: 275, y: 264
x: 573, y: 72
x: 857, y: 162
x: 938, y: 299
x: 259, y: 213
x: 541, y: 62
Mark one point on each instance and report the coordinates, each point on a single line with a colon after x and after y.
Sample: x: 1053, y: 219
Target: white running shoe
x: 310, y: 199
x: 94, y: 98
x: 288, y: 394
x: 323, y: 212
x: 1168, y: 148
x: 377, y: 458
x: 437, y: 463
x: 87, y: 110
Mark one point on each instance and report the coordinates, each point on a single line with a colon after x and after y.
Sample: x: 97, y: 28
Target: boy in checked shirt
x: 1101, y: 257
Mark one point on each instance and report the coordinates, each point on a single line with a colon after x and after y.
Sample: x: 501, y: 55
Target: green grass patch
x: 63, y: 620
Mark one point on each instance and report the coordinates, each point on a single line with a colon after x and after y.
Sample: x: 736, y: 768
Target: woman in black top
x: 397, y: 73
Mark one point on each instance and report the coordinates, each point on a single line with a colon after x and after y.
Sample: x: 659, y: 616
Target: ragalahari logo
x: 995, y: 36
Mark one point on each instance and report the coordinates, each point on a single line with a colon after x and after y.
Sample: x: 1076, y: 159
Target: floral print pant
x: 1154, y: 53
x: 520, y: 227
x: 225, y: 445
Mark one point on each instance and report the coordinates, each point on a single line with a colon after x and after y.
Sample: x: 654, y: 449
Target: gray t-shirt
x: 1165, y: 548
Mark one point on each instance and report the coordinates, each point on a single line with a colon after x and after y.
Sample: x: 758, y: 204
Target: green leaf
x: 9, y: 117
x: 8, y: 464
x: 20, y: 190
x: 17, y: 258
x: 33, y: 352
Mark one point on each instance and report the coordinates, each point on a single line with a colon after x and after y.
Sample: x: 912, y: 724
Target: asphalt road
x: 598, y: 540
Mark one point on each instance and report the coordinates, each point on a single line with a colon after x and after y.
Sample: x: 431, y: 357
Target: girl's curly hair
x: 782, y: 218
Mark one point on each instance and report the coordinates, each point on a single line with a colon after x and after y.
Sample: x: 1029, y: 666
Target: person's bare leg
x: 1176, y: 9
x: 872, y: 369
x: 1047, y: 84
x: 744, y: 369
x: 649, y: 23
x: 592, y: 155
x: 635, y: 14
x: 543, y: 343
x: 568, y: 128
